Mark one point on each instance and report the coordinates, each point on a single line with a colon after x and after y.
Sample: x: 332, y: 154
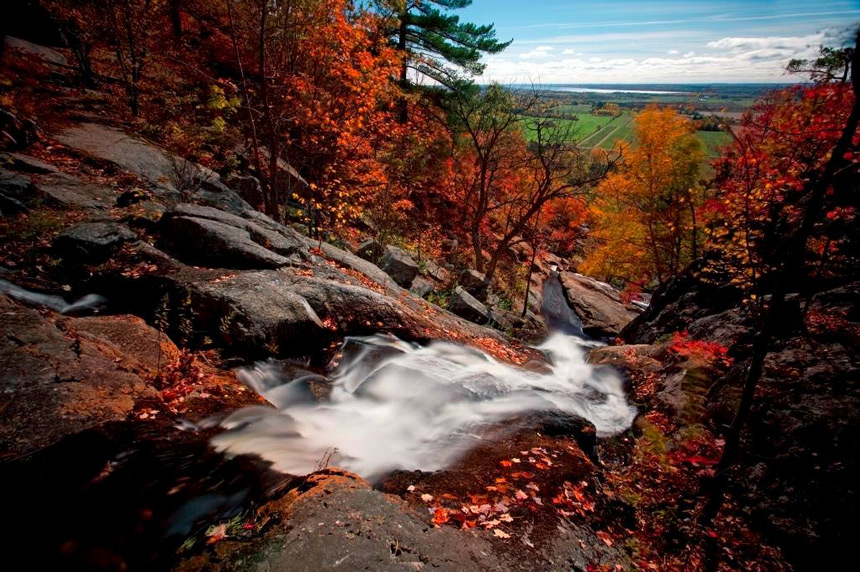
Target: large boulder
x: 44, y: 53
x: 474, y: 282
x: 217, y: 244
x: 172, y: 175
x: 371, y: 250
x: 61, y: 377
x: 62, y: 190
x: 597, y: 304
x: 436, y: 272
x: 92, y: 241
x: 258, y: 313
x: 421, y: 287
x: 467, y: 306
x: 397, y: 263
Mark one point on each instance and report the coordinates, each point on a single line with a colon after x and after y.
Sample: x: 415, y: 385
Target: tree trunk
x: 403, y: 112
x: 175, y: 19
x: 476, y: 246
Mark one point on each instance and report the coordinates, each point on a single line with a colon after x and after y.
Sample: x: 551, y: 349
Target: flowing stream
x: 396, y: 405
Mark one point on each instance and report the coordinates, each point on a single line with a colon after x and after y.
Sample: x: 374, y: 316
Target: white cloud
x: 538, y: 52
x: 753, y: 58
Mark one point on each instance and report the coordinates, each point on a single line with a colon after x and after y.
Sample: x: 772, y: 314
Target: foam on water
x: 395, y: 405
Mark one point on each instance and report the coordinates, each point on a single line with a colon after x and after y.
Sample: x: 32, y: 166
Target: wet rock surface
x: 597, y: 304
x: 115, y: 399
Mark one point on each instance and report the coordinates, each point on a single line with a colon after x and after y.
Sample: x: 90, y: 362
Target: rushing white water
x: 88, y: 304
x: 395, y: 405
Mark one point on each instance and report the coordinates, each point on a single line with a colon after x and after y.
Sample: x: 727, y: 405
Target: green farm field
x: 602, y: 132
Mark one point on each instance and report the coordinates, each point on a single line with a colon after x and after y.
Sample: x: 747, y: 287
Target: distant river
x: 598, y: 90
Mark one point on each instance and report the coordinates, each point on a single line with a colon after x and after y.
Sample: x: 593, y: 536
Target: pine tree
x: 435, y: 43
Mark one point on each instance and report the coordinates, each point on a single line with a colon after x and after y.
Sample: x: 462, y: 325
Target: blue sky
x: 633, y: 41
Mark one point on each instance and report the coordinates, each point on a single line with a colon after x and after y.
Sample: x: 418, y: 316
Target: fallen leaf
x: 498, y: 533
x: 604, y: 536
x: 440, y: 516
x: 216, y: 533
x: 426, y: 497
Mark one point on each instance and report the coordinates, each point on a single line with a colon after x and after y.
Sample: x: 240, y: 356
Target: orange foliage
x: 785, y: 142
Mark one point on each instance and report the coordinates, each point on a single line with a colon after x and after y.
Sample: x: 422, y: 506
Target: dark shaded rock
x: 397, y: 263
x: 27, y: 164
x: 131, y: 197
x: 42, y: 52
x: 92, y: 241
x: 467, y: 306
x: 370, y: 250
x: 679, y: 303
x: 474, y: 283
x: 800, y: 451
x: 15, y: 133
x: 248, y: 187
x: 57, y: 381
x: 217, y: 244
x: 257, y: 313
x: 597, y: 304
x: 16, y: 191
x: 62, y: 190
x: 421, y: 287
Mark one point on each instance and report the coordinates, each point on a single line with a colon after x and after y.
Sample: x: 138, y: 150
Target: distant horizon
x: 666, y: 42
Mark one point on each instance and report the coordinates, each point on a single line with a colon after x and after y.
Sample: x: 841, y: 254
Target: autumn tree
x: 788, y: 196
x: 504, y: 183
x: 645, y: 214
x: 314, y: 76
x: 131, y: 26
x: 76, y: 22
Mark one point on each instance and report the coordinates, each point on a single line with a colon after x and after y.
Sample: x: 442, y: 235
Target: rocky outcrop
x: 213, y: 243
x: 474, y: 283
x: 678, y: 304
x: 92, y: 241
x: 371, y: 250
x: 397, y: 263
x: 67, y: 191
x: 467, y: 306
x: 597, y: 304
x: 258, y: 312
x: 170, y: 175
x: 798, y: 461
x: 61, y: 377
x: 421, y: 287
x: 355, y: 527
x: 44, y: 53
